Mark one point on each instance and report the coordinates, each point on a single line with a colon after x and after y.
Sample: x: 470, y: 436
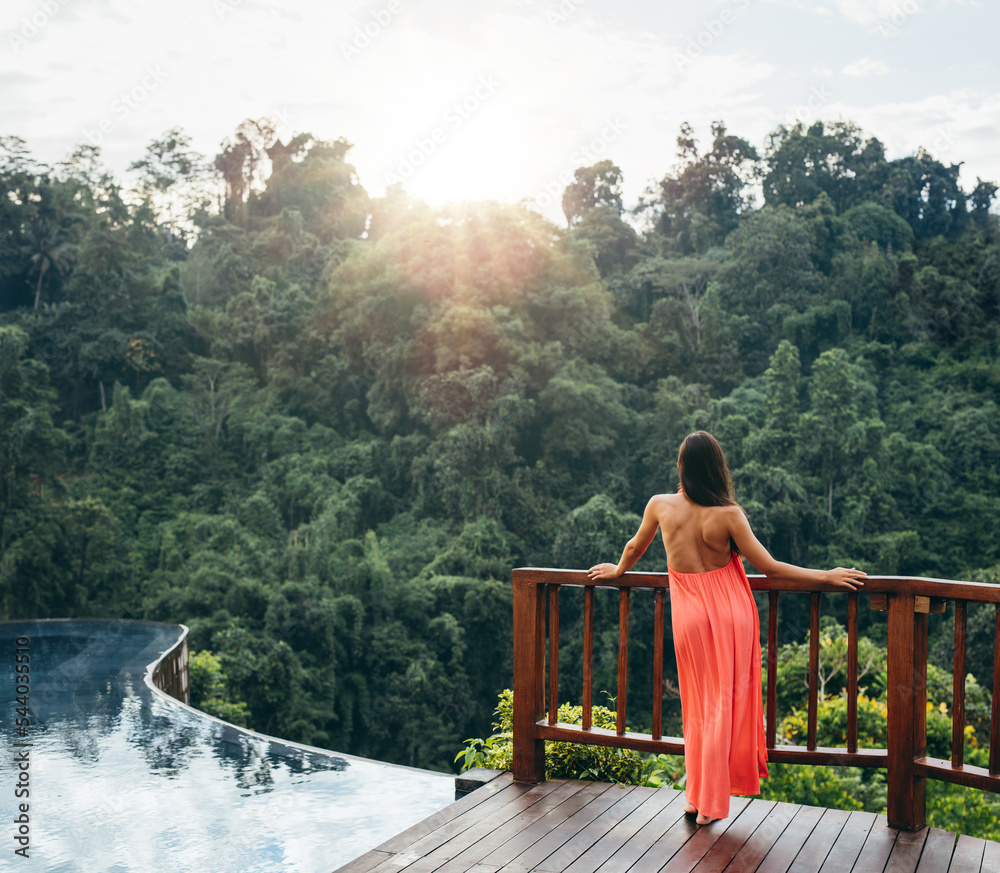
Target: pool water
x: 123, y: 778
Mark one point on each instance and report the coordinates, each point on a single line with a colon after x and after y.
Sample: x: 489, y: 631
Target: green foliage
x: 793, y: 669
x: 592, y: 531
x: 320, y: 428
x: 699, y: 204
x: 831, y: 723
x: 591, y: 188
x: 562, y: 760
x: 209, y: 689
x: 830, y: 787
x: 965, y: 810
x: 659, y: 771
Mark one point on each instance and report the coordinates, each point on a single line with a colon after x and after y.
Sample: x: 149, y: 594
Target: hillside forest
x: 320, y: 427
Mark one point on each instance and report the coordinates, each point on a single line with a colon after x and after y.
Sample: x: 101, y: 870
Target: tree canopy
x: 321, y: 427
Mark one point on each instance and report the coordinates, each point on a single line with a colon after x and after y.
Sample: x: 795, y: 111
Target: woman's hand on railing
x: 603, y: 571
x: 844, y: 578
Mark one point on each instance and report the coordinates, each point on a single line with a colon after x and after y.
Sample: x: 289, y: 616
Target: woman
x: 715, y: 624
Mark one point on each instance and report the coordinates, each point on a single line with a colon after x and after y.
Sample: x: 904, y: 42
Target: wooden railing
x: 908, y: 601
x: 170, y: 672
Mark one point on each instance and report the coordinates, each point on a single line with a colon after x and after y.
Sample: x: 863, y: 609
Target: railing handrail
x: 946, y: 589
x: 908, y: 601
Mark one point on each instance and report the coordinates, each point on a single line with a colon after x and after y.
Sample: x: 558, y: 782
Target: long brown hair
x: 704, y: 471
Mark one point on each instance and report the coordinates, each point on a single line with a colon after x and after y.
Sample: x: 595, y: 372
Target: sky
x: 501, y: 99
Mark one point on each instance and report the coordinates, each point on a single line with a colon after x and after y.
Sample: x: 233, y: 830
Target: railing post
x: 529, y: 664
x: 907, y: 704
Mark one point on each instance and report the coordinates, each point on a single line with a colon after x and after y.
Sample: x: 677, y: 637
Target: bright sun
x: 467, y: 155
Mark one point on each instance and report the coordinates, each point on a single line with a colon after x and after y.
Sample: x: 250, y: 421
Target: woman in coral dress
x: 715, y: 625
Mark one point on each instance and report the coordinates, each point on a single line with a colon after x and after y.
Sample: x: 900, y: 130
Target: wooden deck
x: 583, y: 827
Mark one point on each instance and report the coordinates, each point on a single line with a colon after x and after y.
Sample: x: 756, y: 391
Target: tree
x: 172, y: 182
x: 876, y: 224
x: 15, y: 156
x: 32, y: 444
x: 241, y: 164
x: 927, y: 194
x: 209, y: 691
x: 32, y: 454
x: 581, y: 413
x: 594, y: 532
x: 52, y: 228
x: 214, y: 392
x: 701, y: 202
x: 684, y: 282
x: 339, y: 436
x: 982, y: 198
x: 840, y: 418
x: 613, y: 241
x: 314, y: 178
x: 771, y: 264
x: 598, y: 185
x: 836, y: 159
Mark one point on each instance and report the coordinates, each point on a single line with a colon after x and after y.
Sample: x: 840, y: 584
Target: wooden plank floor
x: 566, y: 826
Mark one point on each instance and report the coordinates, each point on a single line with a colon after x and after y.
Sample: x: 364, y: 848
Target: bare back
x: 697, y: 540
x: 696, y: 537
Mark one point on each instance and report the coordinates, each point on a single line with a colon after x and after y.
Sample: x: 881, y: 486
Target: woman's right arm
x: 750, y: 547
x: 635, y: 548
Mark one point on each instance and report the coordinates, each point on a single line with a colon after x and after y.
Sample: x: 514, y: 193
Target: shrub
x: 209, y: 691
x: 569, y: 760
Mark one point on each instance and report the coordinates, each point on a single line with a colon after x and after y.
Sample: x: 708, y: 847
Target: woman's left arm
x: 634, y: 548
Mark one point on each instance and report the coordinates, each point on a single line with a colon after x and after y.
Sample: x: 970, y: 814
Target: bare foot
x: 703, y: 819
x: 689, y: 808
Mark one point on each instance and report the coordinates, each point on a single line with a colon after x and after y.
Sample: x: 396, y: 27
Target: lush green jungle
x: 321, y: 428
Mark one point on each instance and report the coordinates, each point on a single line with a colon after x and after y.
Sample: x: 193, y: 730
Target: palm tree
x: 53, y: 224
x: 50, y: 253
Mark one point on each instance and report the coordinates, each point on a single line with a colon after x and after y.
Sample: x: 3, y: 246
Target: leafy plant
x: 659, y: 771
x: 562, y: 760
x: 209, y: 690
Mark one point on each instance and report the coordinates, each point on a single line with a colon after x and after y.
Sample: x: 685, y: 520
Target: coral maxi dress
x: 717, y: 642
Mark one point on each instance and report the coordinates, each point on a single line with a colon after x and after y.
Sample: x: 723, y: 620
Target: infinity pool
x: 123, y: 778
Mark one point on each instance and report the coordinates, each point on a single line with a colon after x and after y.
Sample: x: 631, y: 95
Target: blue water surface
x: 123, y: 778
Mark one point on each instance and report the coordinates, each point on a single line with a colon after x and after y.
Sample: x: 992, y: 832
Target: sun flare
x: 465, y: 157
